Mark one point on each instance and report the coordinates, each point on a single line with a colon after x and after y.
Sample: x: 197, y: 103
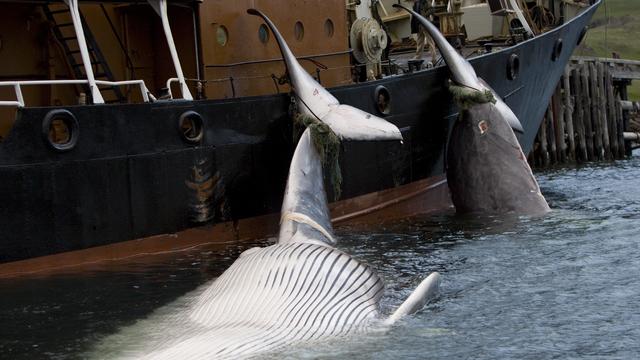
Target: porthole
x: 328, y: 28
x: 60, y: 130
x: 222, y: 35
x: 513, y: 67
x: 191, y: 127
x: 557, y: 50
x: 382, y: 99
x: 298, y: 31
x: 263, y: 34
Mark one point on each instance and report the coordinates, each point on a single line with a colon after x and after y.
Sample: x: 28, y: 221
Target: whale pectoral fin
x: 350, y: 123
x: 426, y: 291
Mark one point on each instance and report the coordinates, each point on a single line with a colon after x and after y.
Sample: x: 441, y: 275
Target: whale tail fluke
x: 315, y: 101
x: 427, y: 290
x: 350, y: 123
x: 461, y: 70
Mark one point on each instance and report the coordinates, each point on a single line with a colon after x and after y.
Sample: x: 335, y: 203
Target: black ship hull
x: 132, y: 175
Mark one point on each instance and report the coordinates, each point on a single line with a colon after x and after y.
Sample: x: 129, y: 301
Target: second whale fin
x: 462, y: 72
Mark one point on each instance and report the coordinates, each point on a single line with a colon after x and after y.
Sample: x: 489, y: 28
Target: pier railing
x: 17, y: 86
x: 589, y: 117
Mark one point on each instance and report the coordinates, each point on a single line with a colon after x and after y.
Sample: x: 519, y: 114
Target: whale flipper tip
x: 427, y: 290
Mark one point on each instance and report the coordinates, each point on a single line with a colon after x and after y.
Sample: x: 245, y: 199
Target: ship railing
x: 179, y: 81
x: 17, y: 86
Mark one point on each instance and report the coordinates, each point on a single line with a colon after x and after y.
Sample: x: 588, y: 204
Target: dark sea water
x: 563, y: 286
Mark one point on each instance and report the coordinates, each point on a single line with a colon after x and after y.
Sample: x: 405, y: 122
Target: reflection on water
x: 563, y: 286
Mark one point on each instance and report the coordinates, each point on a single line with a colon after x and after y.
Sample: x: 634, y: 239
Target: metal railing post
x: 19, y: 96
x: 84, y: 51
x: 160, y: 6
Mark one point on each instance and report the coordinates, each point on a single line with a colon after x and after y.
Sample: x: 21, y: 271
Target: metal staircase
x: 62, y: 25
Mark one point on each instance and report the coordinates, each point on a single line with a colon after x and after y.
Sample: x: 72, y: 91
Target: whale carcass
x: 302, y: 288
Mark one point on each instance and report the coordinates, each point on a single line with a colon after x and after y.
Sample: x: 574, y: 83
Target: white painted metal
x: 20, y: 99
x: 478, y: 21
x: 11, y: 103
x: 143, y: 88
x: 516, y: 7
x: 16, y: 88
x: 84, y: 51
x: 160, y: 6
x: 171, y: 81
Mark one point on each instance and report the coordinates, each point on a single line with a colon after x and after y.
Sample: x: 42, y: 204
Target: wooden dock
x: 590, y: 117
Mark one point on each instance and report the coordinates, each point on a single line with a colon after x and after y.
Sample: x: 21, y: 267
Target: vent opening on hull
x: 557, y: 50
x: 191, y: 127
x: 513, y: 67
x: 382, y: 97
x: 60, y: 130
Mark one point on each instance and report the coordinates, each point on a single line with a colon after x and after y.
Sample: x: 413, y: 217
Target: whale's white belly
x: 277, y: 296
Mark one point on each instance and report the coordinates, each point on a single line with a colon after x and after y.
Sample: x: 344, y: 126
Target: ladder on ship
x: 62, y: 25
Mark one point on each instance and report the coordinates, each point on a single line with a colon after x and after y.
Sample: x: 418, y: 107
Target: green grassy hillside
x: 615, y: 27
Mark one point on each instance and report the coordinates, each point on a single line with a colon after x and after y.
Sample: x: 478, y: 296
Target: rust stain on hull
x: 421, y: 197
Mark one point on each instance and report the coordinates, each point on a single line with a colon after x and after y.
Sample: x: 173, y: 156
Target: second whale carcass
x: 487, y: 172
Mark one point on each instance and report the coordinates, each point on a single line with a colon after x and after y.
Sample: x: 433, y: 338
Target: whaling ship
x: 122, y: 120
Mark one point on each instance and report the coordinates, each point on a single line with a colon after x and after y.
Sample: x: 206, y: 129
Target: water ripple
x: 565, y: 286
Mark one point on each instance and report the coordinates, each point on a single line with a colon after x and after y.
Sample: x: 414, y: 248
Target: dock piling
x: 589, y: 117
